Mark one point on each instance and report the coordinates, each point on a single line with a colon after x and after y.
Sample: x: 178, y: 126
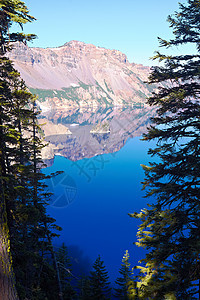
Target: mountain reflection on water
x: 88, y: 132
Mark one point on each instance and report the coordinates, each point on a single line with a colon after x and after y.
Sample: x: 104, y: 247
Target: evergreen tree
x: 13, y: 11
x: 122, y: 291
x: 65, y: 270
x: 99, y: 284
x: 170, y: 228
x: 33, y: 228
x: 156, y: 280
x: 26, y: 231
x: 10, y: 11
x: 84, y: 288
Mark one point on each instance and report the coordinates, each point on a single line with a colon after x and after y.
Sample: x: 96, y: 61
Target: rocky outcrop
x: 78, y: 75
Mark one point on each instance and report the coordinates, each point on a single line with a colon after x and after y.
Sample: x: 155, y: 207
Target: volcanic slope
x: 79, y: 74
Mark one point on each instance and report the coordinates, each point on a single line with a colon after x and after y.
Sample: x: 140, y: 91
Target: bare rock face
x: 78, y: 74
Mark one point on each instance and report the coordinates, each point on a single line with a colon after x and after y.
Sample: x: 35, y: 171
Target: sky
x: 131, y: 26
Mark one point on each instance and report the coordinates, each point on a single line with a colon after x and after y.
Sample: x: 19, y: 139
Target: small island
x: 101, y: 128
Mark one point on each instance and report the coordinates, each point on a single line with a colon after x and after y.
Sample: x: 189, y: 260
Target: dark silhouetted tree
x: 99, y: 284
x: 26, y: 231
x: 84, y: 288
x: 10, y: 12
x: 65, y: 271
x: 170, y: 228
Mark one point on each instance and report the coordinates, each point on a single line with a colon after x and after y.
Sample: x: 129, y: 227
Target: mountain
x: 78, y: 75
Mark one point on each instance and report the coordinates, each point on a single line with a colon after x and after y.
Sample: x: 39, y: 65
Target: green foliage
x: 73, y: 93
x: 10, y: 12
x: 84, y: 288
x: 43, y: 94
x: 13, y: 11
x: 125, y: 280
x: 24, y: 221
x: 108, y: 89
x: 170, y: 228
x: 99, y: 284
x: 66, y: 276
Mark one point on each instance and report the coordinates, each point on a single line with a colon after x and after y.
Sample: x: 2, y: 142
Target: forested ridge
x: 30, y: 267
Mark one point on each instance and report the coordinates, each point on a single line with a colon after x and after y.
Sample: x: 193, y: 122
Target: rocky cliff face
x: 79, y: 74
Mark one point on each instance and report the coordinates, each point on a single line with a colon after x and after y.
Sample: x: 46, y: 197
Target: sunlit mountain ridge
x: 78, y: 75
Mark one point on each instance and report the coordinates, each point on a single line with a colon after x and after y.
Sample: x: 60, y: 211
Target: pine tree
x: 26, y: 229
x: 170, y: 228
x: 32, y: 234
x: 10, y: 12
x: 65, y: 270
x: 155, y: 280
x: 99, y: 284
x: 84, y: 288
x: 122, y: 291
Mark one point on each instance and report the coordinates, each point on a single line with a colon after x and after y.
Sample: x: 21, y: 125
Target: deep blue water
x: 92, y: 200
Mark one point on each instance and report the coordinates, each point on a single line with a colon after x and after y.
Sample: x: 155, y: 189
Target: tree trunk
x: 56, y: 268
x: 7, y: 279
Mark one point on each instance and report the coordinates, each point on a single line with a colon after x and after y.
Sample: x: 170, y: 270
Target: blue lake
x: 91, y: 202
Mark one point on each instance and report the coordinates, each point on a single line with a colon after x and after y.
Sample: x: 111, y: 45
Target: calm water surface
x: 94, y: 195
